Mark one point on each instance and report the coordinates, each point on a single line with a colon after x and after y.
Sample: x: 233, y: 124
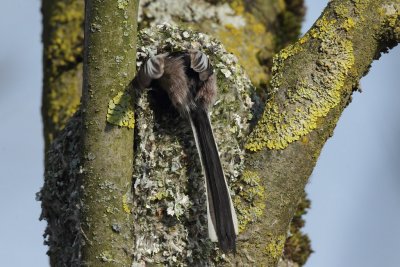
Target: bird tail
x: 222, y: 219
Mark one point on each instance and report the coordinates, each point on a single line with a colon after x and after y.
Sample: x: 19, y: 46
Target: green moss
x: 275, y: 246
x: 292, y: 114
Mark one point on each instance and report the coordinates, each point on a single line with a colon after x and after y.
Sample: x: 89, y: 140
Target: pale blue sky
x: 355, y: 188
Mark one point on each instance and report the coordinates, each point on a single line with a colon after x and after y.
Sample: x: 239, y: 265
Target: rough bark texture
x: 312, y: 82
x: 261, y: 28
x: 60, y: 196
x: 62, y: 63
x: 169, y: 187
x: 107, y: 150
x: 311, y: 85
x: 62, y: 39
x: 252, y: 30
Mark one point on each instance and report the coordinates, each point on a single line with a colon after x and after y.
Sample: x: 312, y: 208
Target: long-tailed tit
x: 190, y: 82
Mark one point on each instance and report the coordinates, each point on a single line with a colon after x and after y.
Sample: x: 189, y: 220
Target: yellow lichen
x: 122, y: 4
x: 63, y: 38
x: 238, y: 7
x: 275, y: 247
x: 312, y: 97
x: 125, y: 205
x: 252, y: 37
x: 348, y: 24
x: 391, y: 14
x: 158, y: 196
x: 65, y: 42
x: 64, y: 97
x: 342, y: 11
x: 249, y: 200
x: 304, y: 39
x: 120, y: 111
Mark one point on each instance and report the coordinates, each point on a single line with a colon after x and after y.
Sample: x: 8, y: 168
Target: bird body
x: 189, y: 80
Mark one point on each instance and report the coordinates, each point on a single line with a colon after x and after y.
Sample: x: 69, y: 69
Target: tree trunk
x: 311, y: 82
x: 62, y: 64
x: 107, y: 150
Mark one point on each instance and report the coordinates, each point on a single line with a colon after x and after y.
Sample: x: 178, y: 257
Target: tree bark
x: 107, y: 150
x: 62, y: 64
x: 252, y: 30
x: 62, y: 39
x: 312, y: 82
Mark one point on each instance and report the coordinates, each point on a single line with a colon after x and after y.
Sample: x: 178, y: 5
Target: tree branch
x: 311, y: 85
x: 107, y: 153
x: 62, y: 64
x: 252, y: 24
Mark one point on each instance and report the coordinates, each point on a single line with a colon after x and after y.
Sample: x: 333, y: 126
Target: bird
x: 189, y: 80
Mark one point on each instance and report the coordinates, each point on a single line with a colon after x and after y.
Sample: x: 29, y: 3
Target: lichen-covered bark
x: 62, y: 81
x: 60, y: 196
x: 312, y: 82
x: 248, y: 29
x: 107, y: 150
x: 62, y: 63
x: 311, y: 85
x: 169, y: 187
x: 297, y: 247
x: 282, y: 18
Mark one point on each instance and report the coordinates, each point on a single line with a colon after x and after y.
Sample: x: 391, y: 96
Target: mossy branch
x: 62, y: 63
x: 107, y: 150
x: 312, y: 83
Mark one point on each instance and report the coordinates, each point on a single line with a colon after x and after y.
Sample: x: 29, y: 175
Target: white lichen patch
x: 161, y: 11
x: 390, y: 9
x: 169, y: 188
x: 122, y: 4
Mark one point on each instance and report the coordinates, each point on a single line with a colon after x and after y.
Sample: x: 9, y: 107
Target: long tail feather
x: 222, y: 220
